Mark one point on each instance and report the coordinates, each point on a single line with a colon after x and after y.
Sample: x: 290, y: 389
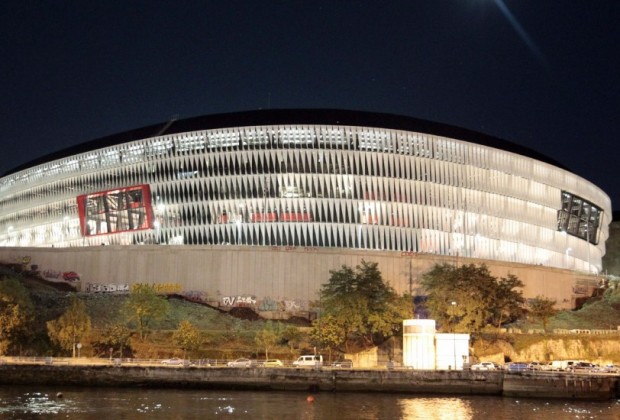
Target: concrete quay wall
x: 555, y: 385
x: 566, y: 386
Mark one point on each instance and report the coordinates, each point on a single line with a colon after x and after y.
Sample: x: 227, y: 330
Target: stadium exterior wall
x: 277, y: 282
x: 264, y: 203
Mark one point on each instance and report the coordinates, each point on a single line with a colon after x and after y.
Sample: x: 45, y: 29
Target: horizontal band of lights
x: 579, y: 218
x: 113, y: 211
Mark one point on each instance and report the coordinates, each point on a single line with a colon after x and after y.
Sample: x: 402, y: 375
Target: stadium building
x: 255, y: 208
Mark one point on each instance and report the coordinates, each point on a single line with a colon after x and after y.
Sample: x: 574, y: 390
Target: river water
x: 38, y: 402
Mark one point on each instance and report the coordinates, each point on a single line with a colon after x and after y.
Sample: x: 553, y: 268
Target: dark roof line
x: 292, y: 117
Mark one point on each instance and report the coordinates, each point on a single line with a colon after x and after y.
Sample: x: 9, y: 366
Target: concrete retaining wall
x: 269, y: 279
x: 325, y: 380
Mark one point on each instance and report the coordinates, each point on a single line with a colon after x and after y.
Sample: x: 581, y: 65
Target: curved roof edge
x: 292, y: 117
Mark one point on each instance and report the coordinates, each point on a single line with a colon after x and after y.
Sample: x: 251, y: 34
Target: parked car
x: 311, y: 360
x: 582, y: 367
x: 242, y: 362
x: 546, y: 366
x: 535, y: 366
x: 273, y: 363
x: 345, y: 364
x: 611, y: 368
x: 173, y: 361
x: 517, y: 367
x: 598, y: 368
x: 484, y: 366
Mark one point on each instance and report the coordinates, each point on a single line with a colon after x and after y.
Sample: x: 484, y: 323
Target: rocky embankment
x: 599, y: 349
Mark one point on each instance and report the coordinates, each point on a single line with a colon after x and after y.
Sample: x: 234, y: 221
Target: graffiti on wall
x: 292, y: 305
x: 60, y: 275
x: 239, y: 301
x: 107, y: 288
x: 23, y: 260
x: 580, y: 290
x: 160, y: 288
x: 46, y: 273
x: 266, y: 304
x: 196, y: 296
x: 584, y: 286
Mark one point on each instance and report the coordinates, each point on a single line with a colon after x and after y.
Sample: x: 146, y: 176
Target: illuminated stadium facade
x: 318, y: 180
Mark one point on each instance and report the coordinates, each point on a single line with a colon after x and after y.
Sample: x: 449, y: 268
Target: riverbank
x: 550, y: 385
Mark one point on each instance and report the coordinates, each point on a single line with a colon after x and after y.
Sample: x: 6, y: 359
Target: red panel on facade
x: 118, y: 210
x: 295, y: 217
x: 264, y: 217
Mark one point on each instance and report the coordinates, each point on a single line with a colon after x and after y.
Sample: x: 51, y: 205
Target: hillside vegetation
x: 598, y: 313
x: 601, y: 312
x: 225, y: 336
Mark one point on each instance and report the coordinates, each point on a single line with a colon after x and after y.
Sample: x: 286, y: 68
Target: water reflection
x: 136, y: 403
x: 436, y: 409
x: 33, y: 403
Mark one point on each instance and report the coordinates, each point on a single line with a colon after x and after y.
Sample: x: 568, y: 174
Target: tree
x: 115, y: 337
x: 328, y: 333
x: 291, y: 336
x: 145, y: 306
x: 267, y: 338
x: 187, y: 337
x: 69, y: 329
x: 542, y: 309
x: 358, y: 305
x: 508, y: 302
x: 466, y: 298
x: 16, y: 314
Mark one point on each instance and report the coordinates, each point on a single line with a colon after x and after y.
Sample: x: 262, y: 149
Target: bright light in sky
x: 521, y: 32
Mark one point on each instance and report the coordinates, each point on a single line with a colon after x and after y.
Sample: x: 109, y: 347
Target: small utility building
x: 423, y: 348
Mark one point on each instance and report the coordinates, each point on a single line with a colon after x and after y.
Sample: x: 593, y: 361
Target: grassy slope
x: 226, y: 336
x: 223, y: 335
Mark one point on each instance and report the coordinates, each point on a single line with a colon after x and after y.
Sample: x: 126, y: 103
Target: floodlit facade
x: 310, y: 178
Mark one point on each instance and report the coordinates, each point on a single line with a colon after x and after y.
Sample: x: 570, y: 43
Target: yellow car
x: 273, y: 363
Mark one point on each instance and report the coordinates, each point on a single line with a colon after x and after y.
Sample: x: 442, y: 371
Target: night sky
x: 544, y: 74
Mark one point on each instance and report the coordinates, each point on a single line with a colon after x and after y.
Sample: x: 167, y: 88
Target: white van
x: 313, y: 360
x: 558, y: 365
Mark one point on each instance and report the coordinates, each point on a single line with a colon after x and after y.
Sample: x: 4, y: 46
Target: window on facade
x: 120, y: 210
x: 579, y: 217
